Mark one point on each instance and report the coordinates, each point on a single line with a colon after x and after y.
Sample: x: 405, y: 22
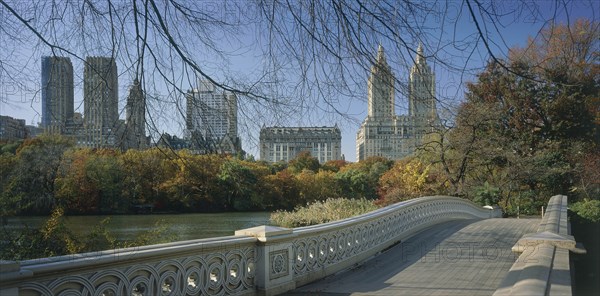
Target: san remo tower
x: 383, y: 133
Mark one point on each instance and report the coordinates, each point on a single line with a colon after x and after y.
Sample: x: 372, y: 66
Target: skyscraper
x: 101, y: 102
x: 211, y: 120
x: 135, y: 120
x: 383, y: 133
x: 381, y: 94
x: 57, y: 93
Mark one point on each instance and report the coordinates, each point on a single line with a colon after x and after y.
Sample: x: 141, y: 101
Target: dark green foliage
x: 30, y: 185
x: 304, y: 161
x: 486, y: 195
x: 588, y: 211
x: 10, y: 147
x: 238, y: 182
x: 587, y: 267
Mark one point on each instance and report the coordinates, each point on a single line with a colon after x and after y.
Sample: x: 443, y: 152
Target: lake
x: 183, y: 226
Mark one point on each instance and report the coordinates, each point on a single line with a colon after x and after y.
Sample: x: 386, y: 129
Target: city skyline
x: 450, y: 43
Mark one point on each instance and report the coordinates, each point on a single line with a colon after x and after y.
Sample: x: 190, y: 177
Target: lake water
x: 182, y: 226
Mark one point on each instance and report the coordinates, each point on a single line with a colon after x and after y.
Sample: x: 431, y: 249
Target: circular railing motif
x: 343, y: 243
x: 228, y: 272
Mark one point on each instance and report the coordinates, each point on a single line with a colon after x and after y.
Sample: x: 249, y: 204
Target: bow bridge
x: 430, y: 245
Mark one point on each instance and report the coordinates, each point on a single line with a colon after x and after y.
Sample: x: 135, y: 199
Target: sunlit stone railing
x: 261, y: 260
x: 543, y: 266
x: 217, y: 266
x: 294, y: 257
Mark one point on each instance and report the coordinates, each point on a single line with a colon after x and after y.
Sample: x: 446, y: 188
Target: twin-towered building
x: 100, y: 125
x: 383, y: 133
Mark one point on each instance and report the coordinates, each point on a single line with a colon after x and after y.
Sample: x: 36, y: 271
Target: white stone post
x: 274, y: 271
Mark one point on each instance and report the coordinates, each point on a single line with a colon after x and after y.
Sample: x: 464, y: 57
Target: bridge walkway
x: 464, y: 257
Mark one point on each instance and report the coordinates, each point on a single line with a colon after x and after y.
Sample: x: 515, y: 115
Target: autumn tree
x: 281, y: 191
x: 317, y: 186
x: 409, y: 178
x: 145, y: 171
x: 74, y: 192
x: 519, y: 125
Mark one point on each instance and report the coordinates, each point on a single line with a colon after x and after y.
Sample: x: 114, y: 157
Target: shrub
x: 587, y: 210
x: 322, y: 212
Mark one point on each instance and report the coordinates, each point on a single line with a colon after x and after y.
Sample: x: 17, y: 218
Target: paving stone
x: 466, y: 257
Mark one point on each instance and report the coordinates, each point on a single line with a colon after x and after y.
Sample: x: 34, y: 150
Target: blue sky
x: 452, y: 43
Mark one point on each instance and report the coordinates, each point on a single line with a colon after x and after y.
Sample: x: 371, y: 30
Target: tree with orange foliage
x: 520, y: 127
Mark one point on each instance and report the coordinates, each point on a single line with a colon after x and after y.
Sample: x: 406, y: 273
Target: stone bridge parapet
x: 543, y: 266
x: 264, y: 260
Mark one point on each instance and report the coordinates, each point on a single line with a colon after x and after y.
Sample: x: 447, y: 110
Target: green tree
x: 303, y: 161
x: 91, y: 181
x: 104, y: 173
x: 360, y: 179
x: 238, y: 184
x: 10, y: 147
x: 7, y: 198
x: 30, y: 188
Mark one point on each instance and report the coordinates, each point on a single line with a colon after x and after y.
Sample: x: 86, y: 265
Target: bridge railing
x: 216, y: 266
x: 294, y: 257
x: 261, y: 260
x: 543, y: 266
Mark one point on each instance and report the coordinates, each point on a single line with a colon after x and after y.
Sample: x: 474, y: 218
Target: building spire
x: 380, y: 55
x: 420, y: 55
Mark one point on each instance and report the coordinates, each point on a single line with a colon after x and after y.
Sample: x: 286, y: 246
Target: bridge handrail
x: 202, y: 266
x: 555, y: 219
x: 477, y: 211
x: 266, y: 258
x: 301, y: 255
x: 543, y: 265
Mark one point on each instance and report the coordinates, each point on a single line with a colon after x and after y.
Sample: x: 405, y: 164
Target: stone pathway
x: 465, y: 257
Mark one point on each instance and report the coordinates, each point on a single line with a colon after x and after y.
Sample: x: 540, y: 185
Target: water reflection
x: 183, y: 226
